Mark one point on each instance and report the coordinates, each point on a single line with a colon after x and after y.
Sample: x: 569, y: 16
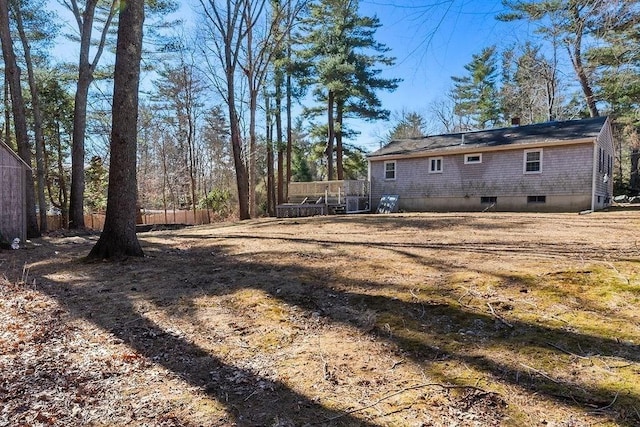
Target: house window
x: 536, y: 199
x: 470, y: 159
x: 600, y: 159
x: 435, y: 165
x: 390, y: 170
x: 533, y: 161
x: 488, y: 200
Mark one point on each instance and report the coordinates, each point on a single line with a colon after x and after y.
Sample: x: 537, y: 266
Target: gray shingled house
x: 13, y: 211
x: 562, y: 166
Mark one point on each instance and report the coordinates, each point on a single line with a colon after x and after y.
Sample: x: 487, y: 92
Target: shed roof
x: 538, y: 133
x: 14, y: 155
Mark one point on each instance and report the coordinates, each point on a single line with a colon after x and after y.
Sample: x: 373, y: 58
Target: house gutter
x: 471, y: 149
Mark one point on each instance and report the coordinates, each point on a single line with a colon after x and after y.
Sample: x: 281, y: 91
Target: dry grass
x: 373, y: 320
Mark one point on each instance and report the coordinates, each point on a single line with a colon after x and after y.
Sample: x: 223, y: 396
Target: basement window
x: 488, y: 200
x: 536, y: 199
x: 471, y: 159
x: 533, y: 161
x: 390, y: 170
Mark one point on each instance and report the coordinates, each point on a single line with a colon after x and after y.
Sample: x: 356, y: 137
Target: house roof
x: 540, y: 133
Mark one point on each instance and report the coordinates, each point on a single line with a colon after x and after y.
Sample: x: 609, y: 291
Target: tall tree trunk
x: 19, y: 115
x: 76, y: 206
x: 37, y: 122
x: 634, y: 177
x: 242, y: 178
x: 279, y: 140
x: 551, y: 78
x: 271, y: 200
x: 575, y: 53
x: 62, y: 182
x: 253, y: 152
x: 339, y: 115
x: 61, y: 199
x: 225, y: 24
x: 191, y: 138
x: 330, y: 135
x: 289, y: 90
x: 119, y: 238
x: 584, y: 82
x: 7, y: 111
x: 253, y: 106
x: 85, y: 78
x: 289, y: 132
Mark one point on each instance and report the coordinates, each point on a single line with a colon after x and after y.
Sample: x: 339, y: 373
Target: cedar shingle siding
x: 12, y: 195
x: 500, y: 180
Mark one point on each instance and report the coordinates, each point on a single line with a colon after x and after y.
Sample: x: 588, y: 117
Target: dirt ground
x: 361, y: 320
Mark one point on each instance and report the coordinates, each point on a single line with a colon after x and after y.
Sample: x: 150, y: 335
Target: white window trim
x: 468, y: 162
x: 395, y: 170
x: 431, y: 159
x: 524, y: 161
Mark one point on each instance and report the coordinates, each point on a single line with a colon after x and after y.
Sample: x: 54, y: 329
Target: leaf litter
x: 405, y: 320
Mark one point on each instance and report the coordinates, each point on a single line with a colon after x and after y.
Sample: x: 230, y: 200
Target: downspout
x: 593, y: 183
x: 369, y: 179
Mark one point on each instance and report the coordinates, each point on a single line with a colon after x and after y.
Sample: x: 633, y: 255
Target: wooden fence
x: 96, y: 221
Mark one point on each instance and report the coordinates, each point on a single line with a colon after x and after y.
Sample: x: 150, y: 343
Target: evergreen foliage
x: 341, y: 61
x: 97, y: 179
x: 476, y: 93
x: 410, y: 125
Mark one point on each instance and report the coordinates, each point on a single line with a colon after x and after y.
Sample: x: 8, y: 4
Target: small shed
x: 13, y: 209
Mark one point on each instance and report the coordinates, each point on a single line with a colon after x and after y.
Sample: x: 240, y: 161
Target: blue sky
x: 431, y: 40
x: 431, y: 44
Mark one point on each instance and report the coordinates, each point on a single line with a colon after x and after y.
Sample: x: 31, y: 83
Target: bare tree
x: 261, y: 52
x: 239, y: 42
x: 179, y: 94
x: 226, y: 25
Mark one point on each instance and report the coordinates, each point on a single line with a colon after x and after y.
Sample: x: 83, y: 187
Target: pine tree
x: 617, y: 65
x: 476, y: 93
x: 410, y: 125
x: 97, y: 180
x: 57, y: 109
x: 573, y: 22
x: 342, y: 60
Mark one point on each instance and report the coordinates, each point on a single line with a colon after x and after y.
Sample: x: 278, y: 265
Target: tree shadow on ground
x: 250, y: 399
x: 316, y: 290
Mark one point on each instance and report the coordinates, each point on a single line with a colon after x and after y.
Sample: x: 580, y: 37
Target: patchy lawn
x: 369, y: 320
